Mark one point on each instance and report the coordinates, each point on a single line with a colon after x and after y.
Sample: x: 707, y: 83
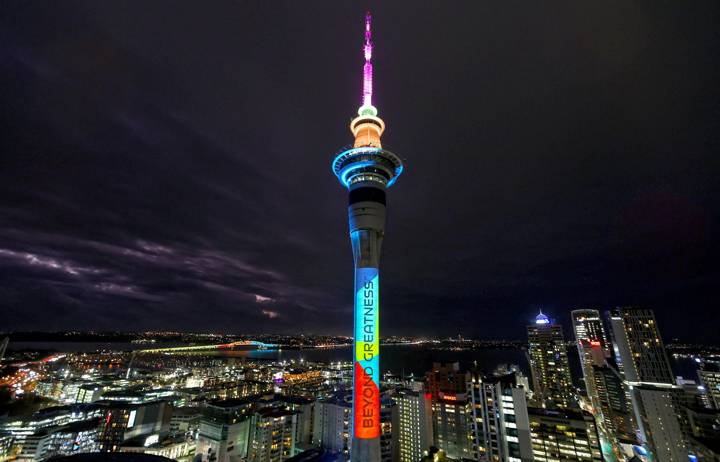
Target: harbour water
x: 410, y: 359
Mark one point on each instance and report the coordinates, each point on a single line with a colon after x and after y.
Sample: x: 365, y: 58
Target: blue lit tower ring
x: 367, y: 164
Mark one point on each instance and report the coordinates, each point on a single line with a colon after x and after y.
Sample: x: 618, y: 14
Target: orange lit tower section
x: 367, y: 170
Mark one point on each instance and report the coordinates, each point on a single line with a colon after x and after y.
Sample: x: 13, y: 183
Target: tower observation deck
x: 367, y: 170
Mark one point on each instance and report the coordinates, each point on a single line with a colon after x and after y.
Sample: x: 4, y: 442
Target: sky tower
x: 367, y: 170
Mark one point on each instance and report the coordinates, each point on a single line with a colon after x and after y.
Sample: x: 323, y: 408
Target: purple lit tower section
x: 367, y: 69
x: 366, y: 170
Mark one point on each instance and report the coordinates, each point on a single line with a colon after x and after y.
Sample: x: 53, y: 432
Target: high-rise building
x: 224, y: 431
x: 640, y: 347
x: 272, y: 435
x: 305, y: 408
x: 19, y: 428
x: 499, y: 410
x: 63, y: 440
x: 124, y: 421
x: 563, y: 435
x: 3, y: 347
x: 367, y: 170
x: 647, y: 374
x: 615, y: 409
x: 415, y: 434
x: 520, y: 379
x: 454, y: 429
x: 593, y: 348
x: 709, y: 374
x: 332, y: 424
x: 445, y: 377
x: 549, y: 364
x: 389, y: 425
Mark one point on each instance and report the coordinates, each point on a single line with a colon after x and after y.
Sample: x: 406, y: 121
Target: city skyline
x: 276, y: 399
x: 168, y: 170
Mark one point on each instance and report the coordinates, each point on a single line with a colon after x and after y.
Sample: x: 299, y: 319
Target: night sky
x: 166, y: 164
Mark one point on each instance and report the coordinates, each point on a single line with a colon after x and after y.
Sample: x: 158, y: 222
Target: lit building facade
x: 389, y: 425
x: 332, y: 424
x: 593, y: 347
x: 367, y: 170
x: 415, y: 425
x: 549, y: 364
x: 499, y: 409
x: 224, y: 431
x: 454, y: 428
x: 614, y: 406
x: 65, y: 440
x: 305, y: 408
x: 709, y: 375
x: 272, y: 435
x: 647, y: 373
x: 563, y: 435
x: 446, y: 378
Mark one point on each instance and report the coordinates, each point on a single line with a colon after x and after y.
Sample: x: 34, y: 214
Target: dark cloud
x: 166, y: 164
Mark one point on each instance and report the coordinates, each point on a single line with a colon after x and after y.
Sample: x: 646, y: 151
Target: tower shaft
x: 366, y: 212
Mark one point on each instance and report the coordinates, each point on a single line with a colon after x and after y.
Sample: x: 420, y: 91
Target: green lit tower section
x: 366, y: 170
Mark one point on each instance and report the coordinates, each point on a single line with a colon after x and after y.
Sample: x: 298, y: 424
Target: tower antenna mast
x: 368, y: 69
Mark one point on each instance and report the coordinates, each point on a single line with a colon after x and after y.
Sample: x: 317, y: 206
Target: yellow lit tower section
x: 366, y: 170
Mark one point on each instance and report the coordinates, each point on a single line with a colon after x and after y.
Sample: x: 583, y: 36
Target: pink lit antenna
x: 367, y: 69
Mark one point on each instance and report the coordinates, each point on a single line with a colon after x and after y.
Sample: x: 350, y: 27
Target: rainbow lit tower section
x: 367, y: 170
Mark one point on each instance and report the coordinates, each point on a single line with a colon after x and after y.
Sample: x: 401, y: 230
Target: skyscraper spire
x: 367, y: 108
x: 541, y: 318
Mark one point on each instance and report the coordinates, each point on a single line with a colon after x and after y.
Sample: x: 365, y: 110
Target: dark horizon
x: 166, y: 166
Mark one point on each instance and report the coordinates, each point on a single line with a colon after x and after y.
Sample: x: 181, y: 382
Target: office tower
x: 88, y: 393
x: 272, y: 435
x: 593, y: 347
x: 499, y: 409
x: 19, y: 428
x: 563, y: 435
x: 6, y: 445
x: 640, y: 346
x: 415, y: 433
x: 704, y: 433
x: 331, y: 427
x: 549, y: 364
x: 62, y: 440
x: 445, y: 377
x: 588, y: 325
x: 389, y: 424
x: 172, y: 447
x: 520, y: 379
x: 185, y: 420
x: 3, y: 347
x: 693, y: 395
x: 454, y: 429
x: 709, y: 375
x: 615, y: 408
x: 305, y: 408
x: 124, y: 421
x: 224, y: 431
x: 367, y: 170
x: 647, y: 373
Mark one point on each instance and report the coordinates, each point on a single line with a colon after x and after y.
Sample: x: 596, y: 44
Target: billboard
x: 366, y: 385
